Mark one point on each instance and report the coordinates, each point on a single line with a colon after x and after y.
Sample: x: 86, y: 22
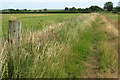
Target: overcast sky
x: 51, y: 4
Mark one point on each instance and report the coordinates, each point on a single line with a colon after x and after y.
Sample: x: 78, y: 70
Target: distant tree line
x: 22, y: 10
x: 108, y: 7
x: 90, y: 9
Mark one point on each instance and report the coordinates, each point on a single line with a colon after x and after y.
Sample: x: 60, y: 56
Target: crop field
x: 34, y: 21
x: 62, y: 46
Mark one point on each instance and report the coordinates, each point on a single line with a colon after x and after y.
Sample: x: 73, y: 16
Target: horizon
x: 51, y: 5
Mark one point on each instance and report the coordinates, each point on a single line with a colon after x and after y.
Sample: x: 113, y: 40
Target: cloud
x: 57, y: 0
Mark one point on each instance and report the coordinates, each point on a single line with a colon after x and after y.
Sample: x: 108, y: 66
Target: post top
x: 13, y: 20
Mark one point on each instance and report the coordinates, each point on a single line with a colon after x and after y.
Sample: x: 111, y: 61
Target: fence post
x: 14, y: 30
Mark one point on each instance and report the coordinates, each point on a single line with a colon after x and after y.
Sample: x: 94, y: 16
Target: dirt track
x: 91, y: 65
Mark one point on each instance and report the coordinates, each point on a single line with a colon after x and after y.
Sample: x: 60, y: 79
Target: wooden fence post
x: 14, y: 29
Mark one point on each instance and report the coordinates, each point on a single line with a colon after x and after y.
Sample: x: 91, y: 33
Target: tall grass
x: 113, y: 16
x: 60, y: 51
x: 50, y: 56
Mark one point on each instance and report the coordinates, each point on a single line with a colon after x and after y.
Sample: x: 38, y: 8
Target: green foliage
x: 95, y: 8
x: 45, y: 9
x: 108, y: 6
x: 90, y: 9
x: 81, y: 42
x: 72, y: 9
x: 66, y: 8
x: 116, y: 9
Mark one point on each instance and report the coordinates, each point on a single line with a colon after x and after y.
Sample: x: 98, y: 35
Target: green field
x: 34, y: 21
x: 62, y: 46
x: 112, y: 16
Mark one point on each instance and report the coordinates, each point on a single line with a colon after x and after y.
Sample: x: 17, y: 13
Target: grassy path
x: 92, y: 65
x: 102, y: 61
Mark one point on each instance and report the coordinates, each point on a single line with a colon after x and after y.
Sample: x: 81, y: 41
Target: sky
x: 51, y: 4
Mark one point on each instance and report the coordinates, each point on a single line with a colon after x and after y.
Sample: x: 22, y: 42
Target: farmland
x: 35, y: 21
x: 63, y: 46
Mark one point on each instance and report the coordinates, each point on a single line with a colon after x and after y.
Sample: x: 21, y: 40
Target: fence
x: 14, y: 30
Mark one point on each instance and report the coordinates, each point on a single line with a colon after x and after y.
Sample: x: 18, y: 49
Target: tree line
x: 108, y: 6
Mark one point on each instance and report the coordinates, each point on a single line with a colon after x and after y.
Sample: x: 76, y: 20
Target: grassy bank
x: 59, y: 55
x: 113, y: 16
x: 63, y: 50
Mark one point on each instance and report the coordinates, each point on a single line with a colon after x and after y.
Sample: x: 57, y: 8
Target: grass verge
x: 64, y: 52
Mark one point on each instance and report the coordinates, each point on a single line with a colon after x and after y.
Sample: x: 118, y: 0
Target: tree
x: 73, y: 9
x: 79, y: 9
x: 40, y: 10
x: 95, y: 8
x: 117, y: 8
x: 45, y: 9
x: 24, y: 10
x: 17, y: 10
x: 66, y: 8
x: 11, y: 9
x: 86, y: 9
x: 108, y: 6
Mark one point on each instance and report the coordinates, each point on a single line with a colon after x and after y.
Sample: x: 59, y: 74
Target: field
x: 34, y: 21
x: 62, y: 46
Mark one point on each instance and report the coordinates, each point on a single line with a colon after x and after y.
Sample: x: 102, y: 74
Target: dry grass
x: 61, y: 50
x: 103, y: 59
x: 109, y: 50
x: 109, y: 27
